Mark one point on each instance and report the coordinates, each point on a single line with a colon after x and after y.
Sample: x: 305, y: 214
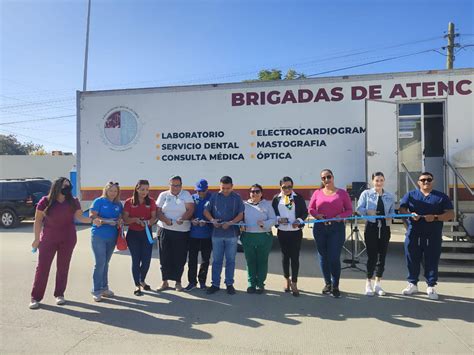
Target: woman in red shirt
x: 55, y: 235
x: 139, y: 210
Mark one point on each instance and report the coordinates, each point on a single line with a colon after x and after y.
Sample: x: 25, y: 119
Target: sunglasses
x: 287, y: 187
x: 255, y: 191
x: 113, y: 183
x: 426, y: 180
x: 327, y: 177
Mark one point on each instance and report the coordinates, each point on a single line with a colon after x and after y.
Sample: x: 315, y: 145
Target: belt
x: 330, y: 223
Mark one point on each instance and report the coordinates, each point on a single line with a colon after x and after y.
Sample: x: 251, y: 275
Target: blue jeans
x: 223, y: 246
x: 140, y: 250
x: 329, y: 241
x: 103, y: 249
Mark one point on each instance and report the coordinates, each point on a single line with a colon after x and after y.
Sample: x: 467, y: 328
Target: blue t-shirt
x: 225, y: 209
x: 108, y: 210
x: 435, y: 203
x: 198, y: 231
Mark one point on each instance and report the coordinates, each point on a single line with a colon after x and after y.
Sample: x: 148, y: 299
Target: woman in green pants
x: 257, y: 239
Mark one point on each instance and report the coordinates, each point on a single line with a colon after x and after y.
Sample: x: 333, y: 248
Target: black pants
x: 377, y: 245
x: 173, y: 252
x: 140, y: 250
x: 194, y: 246
x: 290, y: 244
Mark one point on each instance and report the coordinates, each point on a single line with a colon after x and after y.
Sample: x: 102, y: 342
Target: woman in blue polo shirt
x: 108, y: 209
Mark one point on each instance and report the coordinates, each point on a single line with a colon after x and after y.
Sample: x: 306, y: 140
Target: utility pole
x: 451, y: 45
x: 84, y: 86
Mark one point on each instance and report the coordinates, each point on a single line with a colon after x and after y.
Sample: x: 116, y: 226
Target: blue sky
x: 155, y: 43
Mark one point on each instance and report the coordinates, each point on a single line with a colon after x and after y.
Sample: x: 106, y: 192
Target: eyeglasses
x: 327, y: 177
x: 255, y: 191
x: 287, y: 187
x: 176, y: 185
x: 426, y: 180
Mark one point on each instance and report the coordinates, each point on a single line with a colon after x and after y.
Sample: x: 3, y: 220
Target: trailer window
x: 433, y: 108
x: 409, y: 110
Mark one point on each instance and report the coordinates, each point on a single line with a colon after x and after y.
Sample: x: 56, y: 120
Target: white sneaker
x: 60, y: 301
x: 107, y: 293
x: 431, y: 292
x: 379, y: 290
x: 97, y: 298
x: 410, y: 289
x: 368, y: 289
x: 34, y: 304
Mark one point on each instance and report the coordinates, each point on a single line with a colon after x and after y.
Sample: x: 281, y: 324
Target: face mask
x: 66, y: 190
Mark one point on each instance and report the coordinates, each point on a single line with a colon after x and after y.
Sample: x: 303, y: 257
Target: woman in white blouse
x: 175, y: 209
x: 290, y: 209
x: 257, y: 239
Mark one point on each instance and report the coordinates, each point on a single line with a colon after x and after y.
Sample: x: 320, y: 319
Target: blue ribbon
x: 148, y: 234
x: 314, y: 221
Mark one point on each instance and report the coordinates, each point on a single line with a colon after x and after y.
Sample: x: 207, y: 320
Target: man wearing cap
x: 200, y: 238
x: 430, y: 208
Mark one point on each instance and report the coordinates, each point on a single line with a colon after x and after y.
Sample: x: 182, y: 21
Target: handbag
x: 121, y: 241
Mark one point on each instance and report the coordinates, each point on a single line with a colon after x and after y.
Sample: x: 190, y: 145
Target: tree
x: 9, y: 145
x: 292, y: 74
x: 40, y: 151
x: 275, y: 74
x: 266, y: 75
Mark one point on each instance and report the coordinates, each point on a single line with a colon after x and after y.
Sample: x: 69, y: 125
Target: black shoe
x: 327, y: 289
x: 202, y: 286
x: 260, y: 290
x: 145, y: 286
x: 251, y: 289
x: 335, y: 292
x: 294, y: 290
x: 138, y: 292
x: 230, y: 290
x: 212, y: 289
x: 190, y: 287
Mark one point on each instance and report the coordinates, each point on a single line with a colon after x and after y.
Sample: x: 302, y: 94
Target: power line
x: 38, y: 119
x: 37, y: 139
x: 346, y: 54
x: 42, y: 111
x: 373, y: 62
x: 27, y: 101
x: 36, y: 128
x: 39, y: 103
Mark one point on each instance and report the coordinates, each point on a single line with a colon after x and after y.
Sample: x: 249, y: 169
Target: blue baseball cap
x: 201, y: 185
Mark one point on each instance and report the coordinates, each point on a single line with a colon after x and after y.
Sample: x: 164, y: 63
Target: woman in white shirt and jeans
x: 376, y: 201
x: 175, y: 209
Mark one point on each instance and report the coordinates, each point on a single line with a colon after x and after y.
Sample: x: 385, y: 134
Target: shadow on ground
x: 151, y: 313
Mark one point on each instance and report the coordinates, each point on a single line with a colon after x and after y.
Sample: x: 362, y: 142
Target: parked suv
x: 19, y: 197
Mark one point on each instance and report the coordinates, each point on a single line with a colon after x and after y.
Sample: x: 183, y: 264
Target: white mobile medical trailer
x: 258, y: 132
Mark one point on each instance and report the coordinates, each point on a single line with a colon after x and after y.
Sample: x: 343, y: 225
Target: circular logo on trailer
x: 120, y: 128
